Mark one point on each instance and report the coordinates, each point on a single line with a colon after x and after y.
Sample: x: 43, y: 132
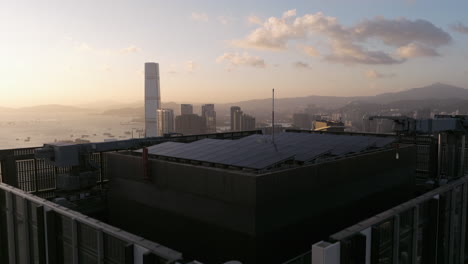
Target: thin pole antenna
x: 273, y: 118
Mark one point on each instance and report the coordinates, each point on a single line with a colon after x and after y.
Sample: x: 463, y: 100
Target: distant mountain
x: 53, y: 108
x: 434, y: 95
x: 5, y: 109
x: 127, y: 111
x: 137, y: 109
x: 289, y: 105
x: 435, y: 91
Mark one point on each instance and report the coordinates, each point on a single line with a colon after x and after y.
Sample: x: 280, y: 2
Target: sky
x: 218, y: 51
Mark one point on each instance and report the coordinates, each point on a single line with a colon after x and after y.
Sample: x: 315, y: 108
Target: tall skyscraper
x: 235, y: 118
x: 241, y: 121
x: 208, y: 112
x: 186, y: 109
x: 247, y: 122
x: 152, y: 99
x: 165, y: 121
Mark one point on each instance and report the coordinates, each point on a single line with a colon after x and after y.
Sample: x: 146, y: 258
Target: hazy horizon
x: 77, y: 53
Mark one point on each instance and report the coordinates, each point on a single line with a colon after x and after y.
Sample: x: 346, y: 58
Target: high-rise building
x: 165, y: 121
x: 186, y: 109
x: 241, y: 121
x: 152, y: 99
x: 190, y: 124
x: 235, y: 118
x: 247, y: 122
x: 208, y: 112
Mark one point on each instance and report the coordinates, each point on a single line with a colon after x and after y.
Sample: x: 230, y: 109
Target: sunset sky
x: 74, y: 52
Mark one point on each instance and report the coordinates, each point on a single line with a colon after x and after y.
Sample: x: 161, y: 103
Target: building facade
x: 235, y: 118
x: 186, y: 109
x: 152, y: 99
x: 247, y: 122
x: 190, y: 124
x: 165, y: 121
x: 241, y: 121
x: 209, y: 113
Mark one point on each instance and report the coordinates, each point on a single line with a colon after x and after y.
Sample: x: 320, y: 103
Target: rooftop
x: 257, y: 152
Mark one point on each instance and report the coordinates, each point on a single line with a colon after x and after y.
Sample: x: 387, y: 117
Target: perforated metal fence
x: 34, y: 230
x: 19, y: 168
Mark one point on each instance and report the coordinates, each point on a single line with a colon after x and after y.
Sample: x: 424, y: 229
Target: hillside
x: 53, y: 108
x: 434, y: 91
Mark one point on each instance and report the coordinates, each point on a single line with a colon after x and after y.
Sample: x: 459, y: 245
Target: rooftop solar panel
x: 259, y: 152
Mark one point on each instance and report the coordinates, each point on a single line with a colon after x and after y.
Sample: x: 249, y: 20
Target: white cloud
x: 289, y: 13
x: 202, y: 17
x: 244, y: 59
x: 347, y: 44
x: 254, y: 20
x: 415, y: 50
x: 309, y: 50
x: 373, y: 74
x: 301, y: 65
x: 130, y: 49
x: 460, y: 28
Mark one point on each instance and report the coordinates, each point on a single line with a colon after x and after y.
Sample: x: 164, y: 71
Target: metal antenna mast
x: 273, y: 118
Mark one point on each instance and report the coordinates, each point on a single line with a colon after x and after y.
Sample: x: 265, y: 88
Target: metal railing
x: 34, y: 230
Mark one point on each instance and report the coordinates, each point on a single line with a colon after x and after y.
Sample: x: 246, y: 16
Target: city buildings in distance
x: 188, y: 123
x: 241, y: 121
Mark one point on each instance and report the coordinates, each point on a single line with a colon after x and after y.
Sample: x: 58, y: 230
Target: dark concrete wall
x: 307, y: 204
x: 194, y: 209
x: 215, y: 215
x: 210, y: 195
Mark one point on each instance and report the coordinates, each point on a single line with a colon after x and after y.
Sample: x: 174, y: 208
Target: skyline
x: 80, y: 52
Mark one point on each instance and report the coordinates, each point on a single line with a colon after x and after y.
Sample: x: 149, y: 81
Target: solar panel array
x: 258, y: 152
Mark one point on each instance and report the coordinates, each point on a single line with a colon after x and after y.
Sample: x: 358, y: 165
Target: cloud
x: 309, y: 50
x: 349, y: 53
x: 415, y: 50
x: 191, y: 66
x: 289, y: 13
x: 401, y: 31
x: 130, y: 49
x: 254, y: 20
x: 347, y: 44
x: 301, y: 65
x: 244, y: 59
x: 225, y: 20
x: 202, y: 17
x: 85, y: 47
x: 373, y: 74
x: 460, y: 28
